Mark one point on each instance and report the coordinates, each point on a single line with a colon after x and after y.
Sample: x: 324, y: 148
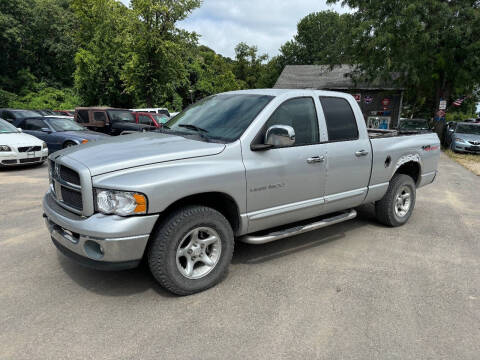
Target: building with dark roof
x: 380, y: 101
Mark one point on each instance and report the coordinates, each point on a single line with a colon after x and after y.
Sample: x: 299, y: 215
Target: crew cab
x: 110, y: 121
x: 253, y: 166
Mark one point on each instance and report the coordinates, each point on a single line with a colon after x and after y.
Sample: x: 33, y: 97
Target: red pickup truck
x: 151, y: 119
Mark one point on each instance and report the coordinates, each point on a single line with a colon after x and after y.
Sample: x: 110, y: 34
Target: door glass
x: 341, y: 122
x: 99, y: 116
x: 301, y: 115
x: 34, y: 124
x: 145, y: 120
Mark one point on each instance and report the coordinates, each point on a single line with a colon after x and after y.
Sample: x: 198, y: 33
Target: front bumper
x: 466, y: 148
x: 99, y: 241
x: 13, y: 158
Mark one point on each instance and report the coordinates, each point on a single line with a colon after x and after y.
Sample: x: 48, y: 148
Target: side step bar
x: 300, y: 229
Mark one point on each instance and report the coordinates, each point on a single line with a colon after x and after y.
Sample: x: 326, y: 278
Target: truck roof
x: 279, y: 92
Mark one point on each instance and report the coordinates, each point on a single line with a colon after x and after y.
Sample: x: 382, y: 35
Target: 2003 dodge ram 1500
x: 256, y: 166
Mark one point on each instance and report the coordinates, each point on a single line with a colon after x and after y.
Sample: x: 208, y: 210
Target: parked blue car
x: 58, y: 132
x: 464, y: 137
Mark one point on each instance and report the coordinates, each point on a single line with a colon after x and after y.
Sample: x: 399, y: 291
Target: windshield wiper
x: 193, y: 127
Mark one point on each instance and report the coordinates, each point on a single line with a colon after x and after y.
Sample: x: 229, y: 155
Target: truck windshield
x: 468, y: 129
x: 121, y: 115
x: 224, y: 117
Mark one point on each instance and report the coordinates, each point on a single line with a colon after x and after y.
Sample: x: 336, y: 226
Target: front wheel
x: 191, y: 250
x: 396, y: 207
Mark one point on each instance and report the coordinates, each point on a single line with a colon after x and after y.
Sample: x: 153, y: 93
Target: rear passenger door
x: 349, y: 155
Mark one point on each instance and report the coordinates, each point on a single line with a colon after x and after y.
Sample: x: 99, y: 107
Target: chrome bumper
x: 99, y: 238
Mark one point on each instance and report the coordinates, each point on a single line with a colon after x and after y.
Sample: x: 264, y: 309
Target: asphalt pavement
x: 356, y: 290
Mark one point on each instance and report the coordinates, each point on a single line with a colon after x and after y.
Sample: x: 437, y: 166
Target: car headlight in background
x: 121, y: 203
x: 459, y: 140
x: 5, y: 148
x: 44, y: 145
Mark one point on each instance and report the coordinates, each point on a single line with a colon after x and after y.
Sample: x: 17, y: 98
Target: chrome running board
x: 299, y: 229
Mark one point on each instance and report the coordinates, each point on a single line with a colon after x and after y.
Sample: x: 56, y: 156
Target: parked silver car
x: 464, y: 137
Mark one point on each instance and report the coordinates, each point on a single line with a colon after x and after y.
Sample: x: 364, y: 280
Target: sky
x: 268, y: 24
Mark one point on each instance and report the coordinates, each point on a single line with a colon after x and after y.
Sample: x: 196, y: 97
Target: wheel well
x: 411, y: 169
x: 221, y: 202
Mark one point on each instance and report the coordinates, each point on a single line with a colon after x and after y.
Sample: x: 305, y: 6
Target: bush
x: 45, y: 97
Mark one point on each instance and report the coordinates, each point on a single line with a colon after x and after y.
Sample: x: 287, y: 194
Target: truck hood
x: 126, y: 151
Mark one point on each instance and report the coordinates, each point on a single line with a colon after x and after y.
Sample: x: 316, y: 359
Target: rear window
x: 341, y: 122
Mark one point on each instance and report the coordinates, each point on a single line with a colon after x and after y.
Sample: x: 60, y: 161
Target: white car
x: 17, y: 148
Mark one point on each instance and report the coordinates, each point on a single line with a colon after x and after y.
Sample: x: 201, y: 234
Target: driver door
x: 287, y: 184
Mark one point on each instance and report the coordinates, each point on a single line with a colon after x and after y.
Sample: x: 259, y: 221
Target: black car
x: 12, y: 115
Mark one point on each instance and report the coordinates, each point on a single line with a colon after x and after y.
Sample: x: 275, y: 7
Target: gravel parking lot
x: 356, y: 290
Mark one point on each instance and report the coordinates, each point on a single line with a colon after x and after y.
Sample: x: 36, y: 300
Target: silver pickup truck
x: 253, y: 166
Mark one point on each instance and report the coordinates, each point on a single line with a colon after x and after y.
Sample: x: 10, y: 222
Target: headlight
x: 5, y: 148
x: 44, y: 145
x: 459, y: 140
x: 121, y: 203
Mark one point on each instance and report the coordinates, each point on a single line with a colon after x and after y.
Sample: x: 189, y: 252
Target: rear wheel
x: 190, y: 252
x: 396, y: 207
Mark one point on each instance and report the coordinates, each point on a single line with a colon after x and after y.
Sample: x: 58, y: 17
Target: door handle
x: 315, y: 159
x: 361, y: 153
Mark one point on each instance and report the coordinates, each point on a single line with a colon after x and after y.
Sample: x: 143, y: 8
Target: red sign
x: 440, y: 113
x: 386, y: 102
x: 358, y: 97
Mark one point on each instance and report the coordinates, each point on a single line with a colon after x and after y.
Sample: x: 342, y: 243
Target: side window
x: 145, y: 120
x: 99, y: 116
x: 82, y: 116
x: 341, y: 122
x: 301, y: 115
x: 34, y: 124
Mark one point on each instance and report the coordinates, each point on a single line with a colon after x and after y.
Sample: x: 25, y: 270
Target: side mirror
x: 20, y: 129
x: 280, y: 136
x: 46, y: 130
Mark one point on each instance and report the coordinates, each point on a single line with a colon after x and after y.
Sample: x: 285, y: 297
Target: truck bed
x: 379, y: 133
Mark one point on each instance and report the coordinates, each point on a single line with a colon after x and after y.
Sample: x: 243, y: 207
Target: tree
x: 433, y: 46
x: 322, y: 38
x: 102, y: 30
x: 249, y: 65
x: 157, y: 49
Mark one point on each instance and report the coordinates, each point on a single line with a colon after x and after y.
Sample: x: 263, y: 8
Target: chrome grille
x: 69, y: 175
x: 66, y: 187
x: 29, y: 148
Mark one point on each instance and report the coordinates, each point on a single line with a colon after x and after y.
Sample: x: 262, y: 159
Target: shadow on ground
x: 129, y: 282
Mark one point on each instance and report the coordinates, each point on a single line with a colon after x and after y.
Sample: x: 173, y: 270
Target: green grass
x: 470, y: 161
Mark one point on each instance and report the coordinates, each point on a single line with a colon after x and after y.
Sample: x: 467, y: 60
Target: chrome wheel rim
x: 199, y: 252
x: 403, y: 201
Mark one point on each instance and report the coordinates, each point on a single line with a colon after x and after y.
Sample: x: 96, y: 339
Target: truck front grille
x: 72, y: 198
x: 66, y: 187
x: 69, y: 175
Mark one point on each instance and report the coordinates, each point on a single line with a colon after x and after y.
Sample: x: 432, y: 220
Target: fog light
x: 94, y: 250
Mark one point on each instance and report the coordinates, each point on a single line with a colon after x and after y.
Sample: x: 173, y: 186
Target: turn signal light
x: 84, y: 141
x: 141, y: 203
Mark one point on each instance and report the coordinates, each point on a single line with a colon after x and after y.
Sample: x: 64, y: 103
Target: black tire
x: 385, y: 209
x: 162, y: 251
x: 68, y: 144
